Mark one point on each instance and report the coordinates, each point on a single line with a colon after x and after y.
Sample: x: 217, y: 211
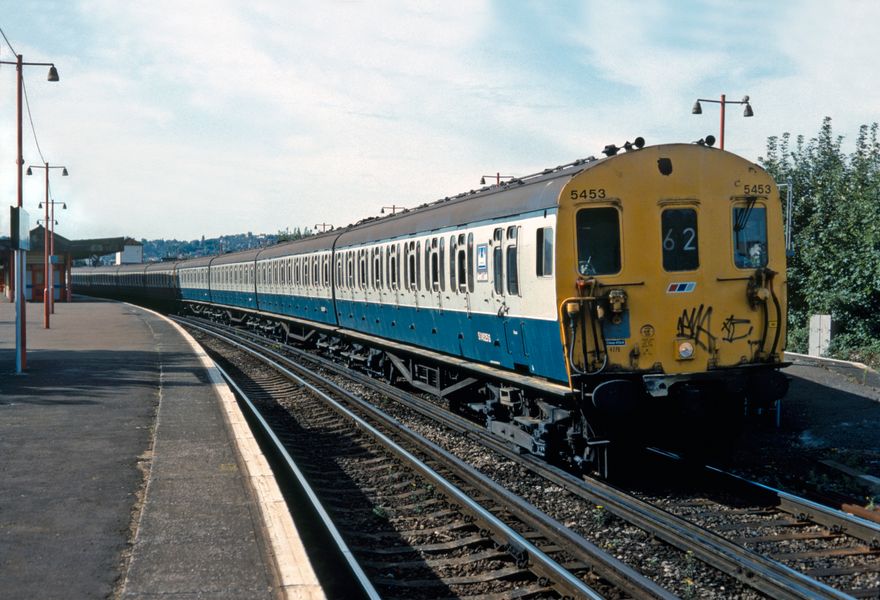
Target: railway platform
x: 125, y: 471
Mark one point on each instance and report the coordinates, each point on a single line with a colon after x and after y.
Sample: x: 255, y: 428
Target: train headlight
x: 685, y: 350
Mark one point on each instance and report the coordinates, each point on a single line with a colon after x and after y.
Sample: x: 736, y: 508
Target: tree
x: 835, y: 221
x: 296, y: 234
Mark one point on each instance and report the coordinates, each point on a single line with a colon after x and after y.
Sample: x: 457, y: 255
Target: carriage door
x: 505, y: 279
x: 35, y: 283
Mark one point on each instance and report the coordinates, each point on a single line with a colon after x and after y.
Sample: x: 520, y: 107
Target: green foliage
x: 835, y: 232
x: 296, y: 234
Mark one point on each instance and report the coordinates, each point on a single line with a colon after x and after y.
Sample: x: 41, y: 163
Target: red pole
x: 722, y: 121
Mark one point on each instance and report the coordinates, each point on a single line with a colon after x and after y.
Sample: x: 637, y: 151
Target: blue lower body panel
x: 242, y: 299
x: 527, y: 345
x: 198, y: 294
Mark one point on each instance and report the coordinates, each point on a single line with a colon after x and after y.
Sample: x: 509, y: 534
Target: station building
x: 65, y: 253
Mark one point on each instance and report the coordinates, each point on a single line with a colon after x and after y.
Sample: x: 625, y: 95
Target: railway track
x: 712, y: 541
x: 814, y: 539
x: 427, y: 526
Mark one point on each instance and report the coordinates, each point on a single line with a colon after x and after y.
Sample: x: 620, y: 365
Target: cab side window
x: 598, y: 241
x: 749, y: 236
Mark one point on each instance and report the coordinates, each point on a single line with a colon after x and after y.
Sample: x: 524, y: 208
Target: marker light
x: 685, y: 350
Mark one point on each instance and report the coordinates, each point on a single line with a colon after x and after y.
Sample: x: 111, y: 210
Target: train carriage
x: 294, y: 279
x: 132, y: 282
x: 672, y: 263
x: 233, y: 279
x: 594, y: 301
x: 97, y: 281
x: 460, y: 278
x: 160, y: 284
x: 193, y: 279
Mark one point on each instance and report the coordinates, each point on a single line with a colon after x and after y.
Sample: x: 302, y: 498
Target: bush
x: 835, y: 221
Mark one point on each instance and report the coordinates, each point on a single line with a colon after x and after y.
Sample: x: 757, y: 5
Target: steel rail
x: 546, y: 566
x: 280, y: 450
x: 761, y: 573
x: 808, y: 510
x: 803, y: 508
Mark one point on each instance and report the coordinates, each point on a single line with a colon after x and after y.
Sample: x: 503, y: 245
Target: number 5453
x: 591, y: 194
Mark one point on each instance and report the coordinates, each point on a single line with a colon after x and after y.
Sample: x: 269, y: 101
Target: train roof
x: 165, y: 265
x: 202, y: 261
x: 528, y: 194
x: 101, y: 269
x: 313, y: 243
x: 236, y: 257
x: 132, y: 268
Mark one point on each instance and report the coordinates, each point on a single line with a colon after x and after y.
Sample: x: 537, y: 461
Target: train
x: 602, y: 300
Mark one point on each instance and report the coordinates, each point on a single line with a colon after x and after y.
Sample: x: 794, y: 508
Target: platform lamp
x: 52, y: 224
x: 747, y: 111
x: 498, y: 177
x: 47, y: 247
x: 21, y: 256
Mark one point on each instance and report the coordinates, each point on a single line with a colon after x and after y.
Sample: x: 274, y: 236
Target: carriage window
x: 750, y: 236
x: 470, y: 261
x: 512, y: 264
x: 409, y: 267
x: 418, y: 266
x: 429, y: 252
x: 393, y: 270
x: 377, y: 269
x: 435, y: 267
x: 452, y: 258
x: 363, y: 276
x: 441, y: 269
x: 598, y: 241
x: 498, y: 262
x: 544, y: 251
x: 678, y: 226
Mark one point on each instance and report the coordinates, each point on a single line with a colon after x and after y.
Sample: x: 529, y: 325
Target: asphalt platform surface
x: 76, y: 437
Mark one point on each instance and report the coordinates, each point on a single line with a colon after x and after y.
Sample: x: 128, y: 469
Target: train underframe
x: 576, y: 429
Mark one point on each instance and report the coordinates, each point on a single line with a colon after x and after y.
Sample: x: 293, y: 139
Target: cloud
x: 212, y: 117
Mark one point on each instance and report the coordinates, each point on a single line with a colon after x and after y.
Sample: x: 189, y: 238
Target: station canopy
x: 77, y: 249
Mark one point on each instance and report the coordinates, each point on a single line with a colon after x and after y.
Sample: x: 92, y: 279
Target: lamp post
x: 20, y: 256
x: 52, y: 224
x: 747, y: 111
x: 498, y: 177
x: 48, y: 288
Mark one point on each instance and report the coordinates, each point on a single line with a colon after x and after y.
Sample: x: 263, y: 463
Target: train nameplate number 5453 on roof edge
x: 757, y: 188
x: 590, y: 194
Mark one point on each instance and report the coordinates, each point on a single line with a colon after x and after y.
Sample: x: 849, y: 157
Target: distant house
x: 132, y: 253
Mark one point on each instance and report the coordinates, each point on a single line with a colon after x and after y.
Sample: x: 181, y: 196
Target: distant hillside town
x: 159, y: 250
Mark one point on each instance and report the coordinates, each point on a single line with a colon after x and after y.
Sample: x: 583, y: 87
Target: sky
x: 190, y: 118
